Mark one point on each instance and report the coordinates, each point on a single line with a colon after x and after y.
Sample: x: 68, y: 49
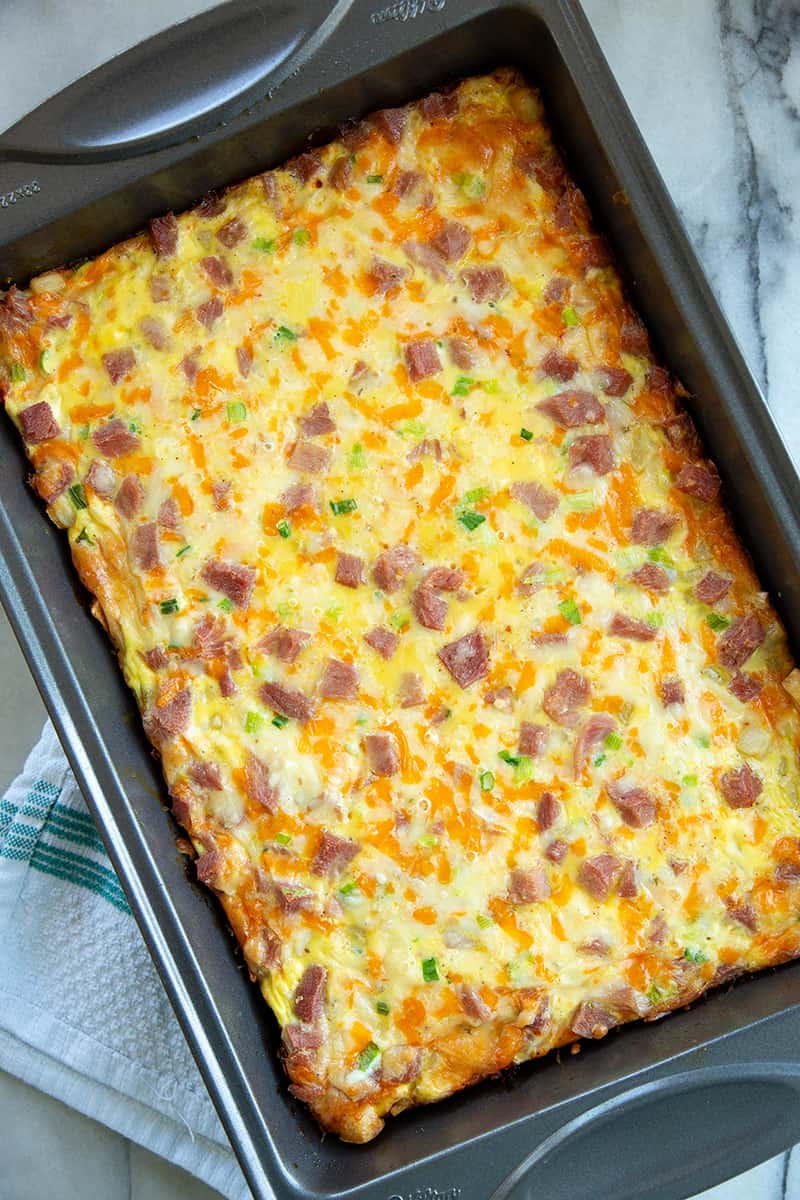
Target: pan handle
x: 672, y: 1137
x: 180, y: 83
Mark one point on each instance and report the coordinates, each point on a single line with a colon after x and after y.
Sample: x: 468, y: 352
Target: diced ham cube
x: 485, y: 283
x: 233, y: 579
x: 542, y: 502
x: 558, y: 365
x: 741, y: 640
x: 652, y: 526
x: 467, y: 659
x: 393, y: 565
x: 382, y: 753
x: 164, y: 232
x: 289, y: 702
x: 652, y: 577
x: 741, y: 787
x: 308, y: 457
x: 349, y: 570
x: 597, y: 874
x: 130, y: 497
x: 701, y: 482
x: 285, y: 644
x: 635, y: 805
x: 422, y: 359
x: 383, y: 641
x: 309, y: 995
x: 114, y: 439
x: 258, y: 783
x: 333, y: 854
x: 712, y: 588
x: 592, y: 450
x: 119, y: 363
x: 144, y: 546
x: 572, y: 409
x: 339, y: 680
x: 38, y: 423
x: 528, y: 887
x: 568, y: 692
x: 532, y: 739
x: 318, y: 420
x: 630, y: 628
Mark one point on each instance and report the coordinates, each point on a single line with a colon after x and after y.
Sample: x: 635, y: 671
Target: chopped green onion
x: 399, y: 619
x: 613, y: 740
x: 483, y: 921
x: 463, y: 385
x: 476, y: 494
x: 430, y: 970
x: 716, y: 622
x: 374, y: 179
x: 334, y: 612
x: 428, y: 841
x: 237, y: 411
x: 471, y: 520
x: 526, y: 434
x: 695, y: 956
x: 285, y: 335
x: 367, y: 1056
x: 570, y: 612
x: 414, y: 428
x: 84, y: 433
x: 17, y: 372
x: 358, y: 459
x: 226, y: 605
x: 513, y: 760
x: 279, y: 720
x: 169, y: 606
x: 486, y: 779
x: 76, y: 495
x: 655, y: 994
x: 347, y: 889
x: 198, y: 412
x: 704, y: 740
x: 135, y: 426
x: 252, y: 722
x: 340, y: 508
x: 598, y: 762
x: 382, y: 1007
x: 580, y: 502
x: 283, y: 527
x: 183, y: 550
x: 655, y: 620
x: 268, y: 245
x: 489, y: 385
x: 569, y: 316
x: 658, y: 554
x: 83, y: 536
x: 300, y: 237
x: 283, y: 839
x: 689, y: 781
x: 46, y: 362
x: 471, y: 185
x: 523, y: 769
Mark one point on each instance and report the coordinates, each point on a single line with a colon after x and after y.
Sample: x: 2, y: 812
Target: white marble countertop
x: 715, y: 87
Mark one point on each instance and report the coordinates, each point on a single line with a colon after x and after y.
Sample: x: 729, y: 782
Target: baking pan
x: 659, y: 1110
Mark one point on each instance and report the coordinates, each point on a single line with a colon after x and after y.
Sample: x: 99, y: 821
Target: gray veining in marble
x: 715, y: 87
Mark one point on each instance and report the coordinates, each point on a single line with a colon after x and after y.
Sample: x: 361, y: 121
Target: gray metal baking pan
x: 653, y: 1111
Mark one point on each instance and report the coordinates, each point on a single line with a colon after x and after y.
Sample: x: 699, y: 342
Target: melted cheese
x: 424, y: 915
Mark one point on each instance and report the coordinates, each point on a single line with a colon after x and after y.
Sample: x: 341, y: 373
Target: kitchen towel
x: 83, y: 1015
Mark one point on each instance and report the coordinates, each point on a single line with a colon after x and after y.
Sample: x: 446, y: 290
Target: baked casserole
x: 464, y: 688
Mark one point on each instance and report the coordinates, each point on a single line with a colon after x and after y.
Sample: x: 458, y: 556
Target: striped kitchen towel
x: 83, y: 1015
